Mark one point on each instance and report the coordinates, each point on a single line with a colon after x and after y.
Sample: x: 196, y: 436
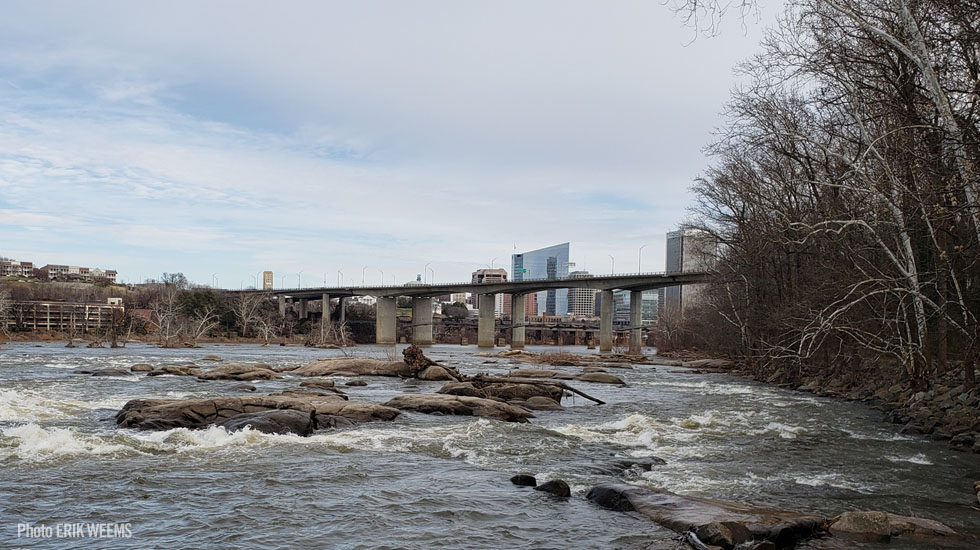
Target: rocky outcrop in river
x: 161, y: 414
x: 432, y: 403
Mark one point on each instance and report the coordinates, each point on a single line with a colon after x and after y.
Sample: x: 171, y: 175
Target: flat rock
x: 504, y: 391
x: 600, y: 378
x: 688, y: 513
x: 175, y: 370
x: 862, y: 526
x: 272, y: 422
x: 238, y: 371
x: 459, y: 405
x: 356, y: 367
x: 141, y: 367
x: 541, y: 403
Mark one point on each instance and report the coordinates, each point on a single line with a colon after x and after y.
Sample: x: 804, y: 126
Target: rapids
x: 433, y: 481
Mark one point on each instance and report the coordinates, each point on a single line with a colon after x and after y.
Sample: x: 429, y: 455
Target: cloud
x: 334, y: 136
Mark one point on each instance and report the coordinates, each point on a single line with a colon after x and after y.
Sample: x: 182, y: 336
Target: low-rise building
x: 58, y: 272
x: 63, y: 316
x: 13, y: 268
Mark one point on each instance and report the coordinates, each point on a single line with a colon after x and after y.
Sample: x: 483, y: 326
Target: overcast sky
x: 225, y: 138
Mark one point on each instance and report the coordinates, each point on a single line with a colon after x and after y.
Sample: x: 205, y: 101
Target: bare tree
x: 246, y: 310
x: 201, y: 323
x: 166, y: 313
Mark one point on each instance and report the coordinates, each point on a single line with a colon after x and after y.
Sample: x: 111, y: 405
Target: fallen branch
x: 491, y: 380
x: 694, y: 541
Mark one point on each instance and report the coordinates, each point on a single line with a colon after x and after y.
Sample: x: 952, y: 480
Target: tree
x: 246, y: 309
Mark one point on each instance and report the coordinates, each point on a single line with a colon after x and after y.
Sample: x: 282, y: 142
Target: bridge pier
x: 486, y: 328
x: 636, y: 322
x: 303, y: 309
x: 282, y: 306
x: 386, y: 320
x: 605, y: 321
x: 517, y: 321
x: 343, y: 310
x: 422, y: 321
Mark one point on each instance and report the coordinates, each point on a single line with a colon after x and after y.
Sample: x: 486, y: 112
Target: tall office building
x: 502, y: 302
x: 581, y: 301
x: 545, y: 263
x: 268, y: 280
x: 687, y: 250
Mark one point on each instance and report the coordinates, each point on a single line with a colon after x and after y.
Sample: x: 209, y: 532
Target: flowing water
x: 435, y: 481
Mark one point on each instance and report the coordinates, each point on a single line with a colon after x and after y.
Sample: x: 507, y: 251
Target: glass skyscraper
x: 544, y: 263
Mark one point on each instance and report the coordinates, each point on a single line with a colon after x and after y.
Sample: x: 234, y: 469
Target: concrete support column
x: 385, y: 320
x: 636, y: 322
x: 422, y: 321
x: 605, y: 321
x: 517, y: 321
x: 343, y: 310
x: 486, y: 329
x: 282, y: 306
x: 303, y: 310
x: 325, y: 308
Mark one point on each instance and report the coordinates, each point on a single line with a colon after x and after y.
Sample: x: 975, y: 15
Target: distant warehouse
x: 38, y: 315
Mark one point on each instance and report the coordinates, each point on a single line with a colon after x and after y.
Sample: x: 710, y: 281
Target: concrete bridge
x: 422, y: 295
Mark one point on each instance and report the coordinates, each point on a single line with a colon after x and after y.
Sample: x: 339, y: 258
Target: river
x: 427, y: 481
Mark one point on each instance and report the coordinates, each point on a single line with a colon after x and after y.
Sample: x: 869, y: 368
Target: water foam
x: 918, y: 458
x: 31, y: 441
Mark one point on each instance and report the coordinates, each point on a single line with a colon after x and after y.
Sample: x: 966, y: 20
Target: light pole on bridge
x: 299, y: 279
x: 639, y: 260
x: 340, y: 277
x: 613, y: 268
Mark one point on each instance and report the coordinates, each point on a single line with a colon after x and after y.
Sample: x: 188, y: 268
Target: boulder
x: 141, y: 367
x: 273, y: 422
x: 459, y: 405
x: 862, y: 526
x: 524, y: 480
x: 332, y: 421
x: 600, y: 378
x: 555, y: 487
x: 355, y: 367
x: 175, y: 370
x: 237, y: 371
x: 726, y: 534
x: 243, y: 387
x: 436, y: 372
x: 461, y: 388
x: 609, y: 497
x: 688, y: 513
x: 162, y: 414
x: 352, y: 383
x: 540, y: 403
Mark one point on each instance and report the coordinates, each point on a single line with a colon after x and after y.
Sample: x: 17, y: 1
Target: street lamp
x: 639, y: 259
x: 425, y: 271
x: 299, y: 279
x: 214, y: 280
x: 340, y: 277
x: 491, y: 262
x: 256, y: 279
x: 432, y: 279
x: 613, y: 268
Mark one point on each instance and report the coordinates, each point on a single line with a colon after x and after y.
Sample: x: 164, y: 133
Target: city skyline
x: 220, y: 155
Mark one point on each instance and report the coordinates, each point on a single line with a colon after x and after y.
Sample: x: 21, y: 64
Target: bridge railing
x: 465, y: 284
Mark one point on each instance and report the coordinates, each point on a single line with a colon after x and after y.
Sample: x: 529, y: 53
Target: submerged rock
x: 459, y: 405
x: 323, y: 383
x: 352, y: 383
x: 105, y: 372
x: 688, y: 513
x: 611, y: 498
x: 272, y: 422
x: 436, y: 372
x: 524, y: 480
x: 555, y: 487
x: 237, y: 371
